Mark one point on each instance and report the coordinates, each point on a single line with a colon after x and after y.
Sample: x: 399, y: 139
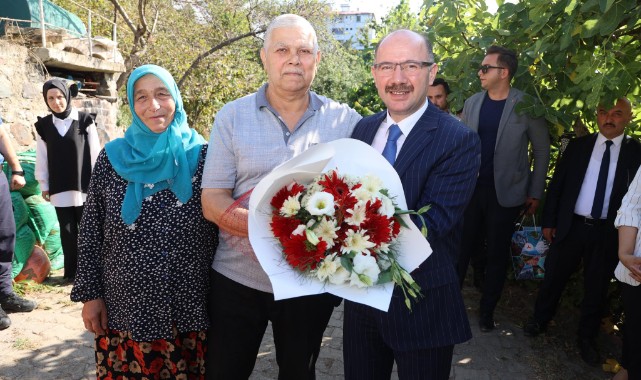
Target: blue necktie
x: 389, y: 152
x: 599, y: 194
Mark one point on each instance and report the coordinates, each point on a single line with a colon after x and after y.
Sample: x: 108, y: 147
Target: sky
x: 382, y: 7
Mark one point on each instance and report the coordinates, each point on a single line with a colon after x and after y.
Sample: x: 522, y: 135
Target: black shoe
x: 533, y: 328
x: 13, y: 302
x: 486, y: 323
x: 4, y: 320
x: 589, y: 352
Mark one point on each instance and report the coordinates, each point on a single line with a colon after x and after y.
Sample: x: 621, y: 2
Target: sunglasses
x: 485, y: 68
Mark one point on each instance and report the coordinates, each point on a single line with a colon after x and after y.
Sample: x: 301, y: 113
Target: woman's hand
x: 45, y: 195
x: 94, y: 315
x: 633, y: 264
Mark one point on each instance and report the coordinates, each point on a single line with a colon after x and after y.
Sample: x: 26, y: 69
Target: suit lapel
x: 368, y: 132
x: 418, y: 139
x: 510, y: 103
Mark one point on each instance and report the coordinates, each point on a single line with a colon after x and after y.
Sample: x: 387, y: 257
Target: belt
x: 589, y: 221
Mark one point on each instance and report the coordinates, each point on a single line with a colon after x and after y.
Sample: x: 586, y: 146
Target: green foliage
x: 573, y: 54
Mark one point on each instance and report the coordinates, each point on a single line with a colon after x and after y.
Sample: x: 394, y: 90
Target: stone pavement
x: 50, y: 343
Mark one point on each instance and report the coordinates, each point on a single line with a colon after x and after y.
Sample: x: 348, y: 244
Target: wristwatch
x: 18, y: 172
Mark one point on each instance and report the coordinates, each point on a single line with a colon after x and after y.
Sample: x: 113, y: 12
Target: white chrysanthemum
x: 362, y: 195
x: 383, y: 248
x: 387, y: 206
x: 291, y: 206
x: 299, y: 230
x: 357, y: 214
x: 326, y: 268
x: 340, y: 276
x: 371, y: 183
x: 326, y: 230
x: 357, y: 242
x: 365, y: 271
x: 321, y: 203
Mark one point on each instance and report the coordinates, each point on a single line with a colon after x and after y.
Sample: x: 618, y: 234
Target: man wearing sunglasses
x: 506, y: 183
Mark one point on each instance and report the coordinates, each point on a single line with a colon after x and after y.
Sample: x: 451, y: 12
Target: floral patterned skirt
x: 120, y: 357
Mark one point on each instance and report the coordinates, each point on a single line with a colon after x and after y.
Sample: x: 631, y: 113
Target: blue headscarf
x: 150, y: 161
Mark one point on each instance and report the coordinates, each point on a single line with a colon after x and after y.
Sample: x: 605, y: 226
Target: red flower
x: 156, y: 365
x: 102, y: 343
x: 282, y: 227
x: 378, y: 228
x: 284, y: 193
x: 159, y: 345
x: 334, y: 185
x: 301, y: 254
x: 396, y: 228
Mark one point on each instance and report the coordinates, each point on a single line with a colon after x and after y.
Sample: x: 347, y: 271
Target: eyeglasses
x: 409, y: 67
x: 485, y: 68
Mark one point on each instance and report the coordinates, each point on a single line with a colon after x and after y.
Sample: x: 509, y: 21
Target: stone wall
x: 21, y: 100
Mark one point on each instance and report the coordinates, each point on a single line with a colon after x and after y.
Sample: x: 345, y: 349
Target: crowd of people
x: 159, y: 218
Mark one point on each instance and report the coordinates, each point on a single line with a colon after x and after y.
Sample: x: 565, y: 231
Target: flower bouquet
x: 332, y: 220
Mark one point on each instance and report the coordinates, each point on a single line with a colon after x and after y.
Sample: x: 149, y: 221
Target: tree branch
x: 124, y: 15
x: 221, y: 45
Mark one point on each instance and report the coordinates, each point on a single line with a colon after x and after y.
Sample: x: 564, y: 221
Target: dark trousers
x: 69, y: 219
x: 632, y: 331
x: 238, y: 318
x: 7, y: 236
x: 366, y: 355
x: 583, y: 243
x: 488, y: 223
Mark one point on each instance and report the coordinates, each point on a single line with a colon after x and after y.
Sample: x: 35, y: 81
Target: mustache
x: 399, y: 87
x: 609, y: 125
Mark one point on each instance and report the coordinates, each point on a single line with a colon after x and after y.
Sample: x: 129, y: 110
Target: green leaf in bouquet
x: 384, y: 277
x: 311, y: 237
x: 347, y: 263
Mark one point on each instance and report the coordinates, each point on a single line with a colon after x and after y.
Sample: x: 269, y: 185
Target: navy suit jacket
x: 567, y: 180
x: 438, y: 165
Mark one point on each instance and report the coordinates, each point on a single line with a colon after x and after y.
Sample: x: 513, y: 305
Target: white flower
x: 340, y: 276
x: 149, y: 185
x: 149, y: 198
x: 365, y: 271
x: 326, y: 230
x: 299, y: 230
x: 387, y: 207
x: 321, y: 203
x: 357, y: 214
x: 179, y: 203
x: 382, y: 248
x: 357, y: 242
x: 132, y: 226
x: 291, y: 206
x: 371, y: 183
x: 362, y: 195
x: 326, y: 268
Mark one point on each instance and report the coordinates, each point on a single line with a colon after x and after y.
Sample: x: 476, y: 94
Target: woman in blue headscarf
x: 144, y: 246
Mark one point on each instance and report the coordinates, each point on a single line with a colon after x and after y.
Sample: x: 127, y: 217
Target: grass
x: 23, y: 344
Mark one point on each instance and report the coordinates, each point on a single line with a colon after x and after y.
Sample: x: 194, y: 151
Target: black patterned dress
x: 152, y: 276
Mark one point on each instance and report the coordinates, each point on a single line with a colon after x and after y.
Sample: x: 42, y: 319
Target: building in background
x: 348, y: 26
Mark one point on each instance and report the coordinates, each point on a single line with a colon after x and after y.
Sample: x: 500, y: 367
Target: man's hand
x: 531, y: 204
x: 94, y: 315
x: 45, y: 195
x: 17, y: 182
x: 549, y: 234
x: 633, y: 263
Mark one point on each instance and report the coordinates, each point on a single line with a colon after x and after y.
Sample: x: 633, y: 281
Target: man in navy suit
x: 580, y: 224
x: 437, y: 159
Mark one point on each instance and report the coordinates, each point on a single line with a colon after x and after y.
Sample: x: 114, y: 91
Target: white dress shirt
x: 585, y: 200
x: 406, y: 125
x: 66, y: 198
x: 630, y: 215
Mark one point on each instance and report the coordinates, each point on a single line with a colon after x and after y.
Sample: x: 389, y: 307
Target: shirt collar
x: 600, y: 139
x: 315, y: 102
x: 72, y: 116
x: 408, y: 123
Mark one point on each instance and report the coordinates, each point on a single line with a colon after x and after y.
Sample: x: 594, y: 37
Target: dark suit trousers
x: 69, y: 219
x: 583, y: 243
x: 632, y: 331
x: 7, y: 236
x: 366, y: 355
x: 487, y: 222
x: 238, y: 318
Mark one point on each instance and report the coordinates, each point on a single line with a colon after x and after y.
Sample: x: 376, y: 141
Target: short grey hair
x: 289, y: 21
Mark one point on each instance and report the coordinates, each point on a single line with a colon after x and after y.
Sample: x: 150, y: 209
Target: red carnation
x: 378, y: 228
x: 334, y: 185
x: 284, y: 193
x: 301, y: 254
x: 282, y: 226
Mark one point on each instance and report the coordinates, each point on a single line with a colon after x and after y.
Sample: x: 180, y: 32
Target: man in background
x: 437, y: 92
